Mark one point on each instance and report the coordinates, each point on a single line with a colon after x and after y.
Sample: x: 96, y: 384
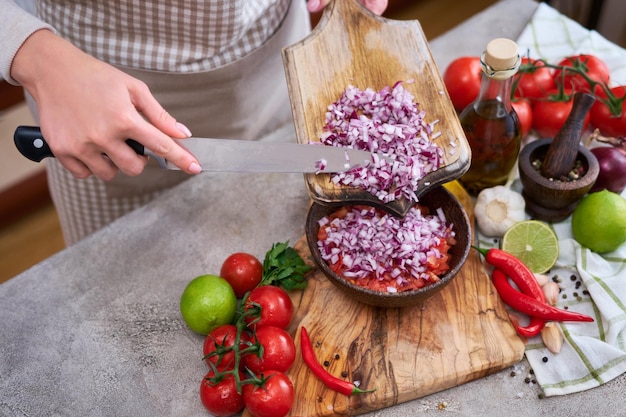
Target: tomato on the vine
x: 221, y: 398
x: 276, y: 306
x: 242, y: 271
x: 278, y: 350
x: 217, y: 347
x: 273, y: 399
x: 612, y: 124
x: 550, y: 113
x: 462, y: 80
x: 594, y: 67
x: 524, y: 112
x: 534, y: 79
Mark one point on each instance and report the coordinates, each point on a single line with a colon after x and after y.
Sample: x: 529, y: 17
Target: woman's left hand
x: 375, y: 6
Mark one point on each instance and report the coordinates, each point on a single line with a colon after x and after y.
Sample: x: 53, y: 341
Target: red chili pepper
x: 532, y: 329
x: 525, y: 280
x: 514, y: 268
x: 528, y: 305
x: 332, y: 382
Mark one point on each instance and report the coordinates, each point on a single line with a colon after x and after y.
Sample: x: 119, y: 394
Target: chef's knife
x: 229, y: 155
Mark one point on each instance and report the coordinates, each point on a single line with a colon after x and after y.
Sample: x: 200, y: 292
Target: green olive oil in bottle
x: 490, y: 123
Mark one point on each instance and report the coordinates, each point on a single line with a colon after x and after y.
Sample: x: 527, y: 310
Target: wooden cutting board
x: 352, y: 46
x: 460, y: 334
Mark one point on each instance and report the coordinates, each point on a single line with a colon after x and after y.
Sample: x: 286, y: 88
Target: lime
x: 599, y: 221
x: 534, y: 243
x: 208, y: 301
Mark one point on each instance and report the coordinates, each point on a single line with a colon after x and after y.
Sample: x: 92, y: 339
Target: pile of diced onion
x: 386, y: 121
x: 370, y: 242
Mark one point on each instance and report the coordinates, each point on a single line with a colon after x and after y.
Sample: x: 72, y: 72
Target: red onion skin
x: 612, y: 174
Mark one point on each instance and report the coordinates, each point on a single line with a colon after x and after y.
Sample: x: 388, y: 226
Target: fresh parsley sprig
x: 284, y: 267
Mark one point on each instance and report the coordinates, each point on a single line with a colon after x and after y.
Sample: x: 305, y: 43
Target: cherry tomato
x: 550, y: 113
x: 242, y: 271
x: 276, y: 306
x: 273, y: 399
x: 279, y: 350
x: 221, y: 398
x: 609, y: 124
x: 462, y: 80
x: 524, y: 112
x: 594, y: 68
x: 534, y: 79
x: 219, y: 339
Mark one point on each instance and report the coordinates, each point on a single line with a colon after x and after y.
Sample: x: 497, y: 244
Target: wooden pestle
x: 561, y: 156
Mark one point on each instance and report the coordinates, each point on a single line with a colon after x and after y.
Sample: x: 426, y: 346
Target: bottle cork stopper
x: 501, y: 54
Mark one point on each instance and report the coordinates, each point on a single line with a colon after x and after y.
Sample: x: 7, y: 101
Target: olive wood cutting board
x: 460, y: 334
x: 352, y: 46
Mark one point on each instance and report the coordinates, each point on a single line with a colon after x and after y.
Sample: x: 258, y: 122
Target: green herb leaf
x: 284, y: 267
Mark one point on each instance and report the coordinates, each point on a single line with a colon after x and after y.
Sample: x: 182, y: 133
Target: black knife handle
x: 31, y: 143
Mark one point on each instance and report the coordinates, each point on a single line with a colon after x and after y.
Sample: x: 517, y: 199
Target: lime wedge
x: 534, y: 243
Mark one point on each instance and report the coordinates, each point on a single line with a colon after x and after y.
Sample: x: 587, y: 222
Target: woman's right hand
x: 87, y: 110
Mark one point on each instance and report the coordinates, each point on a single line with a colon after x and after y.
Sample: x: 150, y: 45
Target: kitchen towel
x: 593, y: 284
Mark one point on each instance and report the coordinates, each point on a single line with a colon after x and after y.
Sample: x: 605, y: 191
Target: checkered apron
x: 213, y: 65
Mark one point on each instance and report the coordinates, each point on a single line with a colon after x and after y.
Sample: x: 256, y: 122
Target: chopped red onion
x: 386, y: 121
x: 369, y: 241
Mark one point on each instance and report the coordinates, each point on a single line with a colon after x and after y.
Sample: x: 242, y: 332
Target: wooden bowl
x: 551, y: 200
x: 437, y: 198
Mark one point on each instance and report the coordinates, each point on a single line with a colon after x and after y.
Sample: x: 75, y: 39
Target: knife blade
x: 229, y: 155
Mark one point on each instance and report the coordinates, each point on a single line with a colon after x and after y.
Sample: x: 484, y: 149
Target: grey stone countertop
x: 95, y: 330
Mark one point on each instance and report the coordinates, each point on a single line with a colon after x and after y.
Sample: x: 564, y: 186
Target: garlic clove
x: 551, y: 291
x: 542, y: 279
x: 552, y: 337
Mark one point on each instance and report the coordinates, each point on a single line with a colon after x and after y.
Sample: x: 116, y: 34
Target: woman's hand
x: 375, y: 6
x: 87, y: 110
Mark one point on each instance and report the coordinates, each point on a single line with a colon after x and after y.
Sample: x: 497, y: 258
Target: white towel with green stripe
x: 593, y: 284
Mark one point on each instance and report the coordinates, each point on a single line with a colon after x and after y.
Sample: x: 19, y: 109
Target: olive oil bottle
x: 490, y: 124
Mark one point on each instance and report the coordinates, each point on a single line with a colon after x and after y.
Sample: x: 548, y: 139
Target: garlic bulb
x: 498, y: 208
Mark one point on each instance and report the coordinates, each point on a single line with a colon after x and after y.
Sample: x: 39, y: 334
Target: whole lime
x: 208, y: 301
x: 599, y: 221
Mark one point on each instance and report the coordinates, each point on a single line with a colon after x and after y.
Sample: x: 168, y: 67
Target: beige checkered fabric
x: 220, y: 49
x: 165, y: 35
x: 84, y: 206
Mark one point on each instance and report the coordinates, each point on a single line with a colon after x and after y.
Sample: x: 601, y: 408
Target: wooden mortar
x: 547, y: 197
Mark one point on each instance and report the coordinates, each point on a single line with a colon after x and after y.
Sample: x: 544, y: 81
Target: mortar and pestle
x: 557, y: 173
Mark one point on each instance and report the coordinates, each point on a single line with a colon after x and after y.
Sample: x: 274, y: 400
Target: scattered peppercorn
x: 326, y: 363
x: 337, y: 356
x: 527, y: 380
x: 544, y: 359
x: 513, y: 373
x: 532, y: 372
x: 573, y: 277
x: 344, y: 374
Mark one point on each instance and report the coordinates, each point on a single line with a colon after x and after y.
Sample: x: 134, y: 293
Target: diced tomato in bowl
x: 400, y: 264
